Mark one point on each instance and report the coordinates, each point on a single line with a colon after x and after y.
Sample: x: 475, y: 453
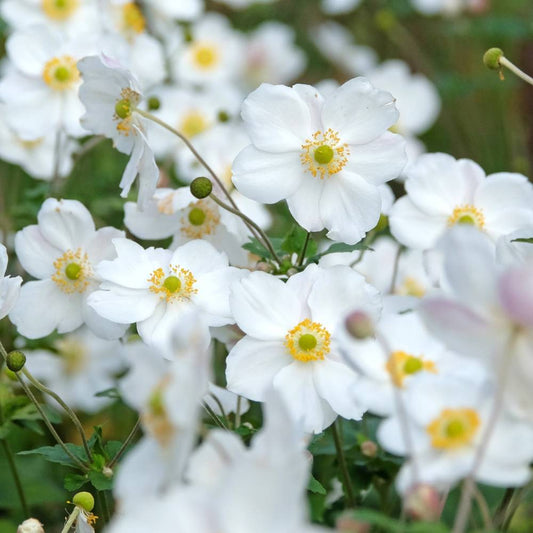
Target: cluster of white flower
x: 430, y: 329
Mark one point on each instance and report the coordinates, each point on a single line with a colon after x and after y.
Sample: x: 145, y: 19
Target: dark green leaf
x: 315, y: 486
x: 73, y: 482
x: 294, y: 241
x: 528, y: 240
x: 100, y: 481
x: 56, y: 454
x: 340, y: 247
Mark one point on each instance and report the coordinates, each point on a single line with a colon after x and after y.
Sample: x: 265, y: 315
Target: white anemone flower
x: 443, y: 192
x: 62, y: 252
x: 291, y: 341
x: 325, y: 156
x: 111, y: 95
x: 447, y: 421
x: 338, y: 7
x: 154, y: 286
x: 9, y: 287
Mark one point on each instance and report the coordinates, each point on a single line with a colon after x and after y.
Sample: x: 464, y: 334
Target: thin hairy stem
x: 304, y: 249
x: 16, y: 478
x: 125, y: 444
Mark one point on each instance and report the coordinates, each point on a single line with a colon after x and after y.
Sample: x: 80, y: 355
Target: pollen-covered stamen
x: 61, y: 73
x: 205, y: 55
x: 132, y: 19
x: 402, y: 364
x: 176, y: 285
x: 410, y: 287
x: 73, y: 271
x: 59, y: 9
x: 467, y: 214
x: 308, y: 341
x: 200, y: 219
x: 155, y: 416
x: 454, y: 428
x: 124, y: 108
x: 323, y: 154
x: 193, y: 123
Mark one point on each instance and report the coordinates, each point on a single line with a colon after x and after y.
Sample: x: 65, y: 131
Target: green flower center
x: 62, y: 74
x: 123, y: 108
x: 73, y: 271
x: 466, y: 219
x: 172, y: 284
x: 413, y: 365
x: 307, y: 341
x: 455, y: 429
x: 324, y: 154
x: 197, y: 216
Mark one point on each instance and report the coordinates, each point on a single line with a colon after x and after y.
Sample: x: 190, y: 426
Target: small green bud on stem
x: 201, y: 187
x: 15, y: 361
x: 85, y: 500
x: 491, y: 58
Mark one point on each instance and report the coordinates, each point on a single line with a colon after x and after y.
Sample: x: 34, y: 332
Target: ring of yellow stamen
x: 323, y: 154
x: 133, y: 20
x: 176, y: 285
x: 308, y: 341
x: 73, y: 271
x: 124, y: 108
x: 454, y: 428
x: 401, y: 364
x: 200, y: 219
x: 410, y: 287
x: 193, y: 123
x: 205, y: 55
x: 59, y: 9
x: 155, y: 416
x: 61, y: 73
x: 467, y: 214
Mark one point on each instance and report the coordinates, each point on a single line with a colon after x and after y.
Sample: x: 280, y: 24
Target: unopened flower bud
x: 491, y: 58
x: 223, y: 116
x: 32, y: 525
x: 15, y: 360
x: 359, y: 325
x: 201, y: 187
x: 346, y: 523
x: 369, y: 448
x: 422, y: 502
x: 153, y: 103
x: 85, y: 500
x: 108, y: 472
x: 263, y: 266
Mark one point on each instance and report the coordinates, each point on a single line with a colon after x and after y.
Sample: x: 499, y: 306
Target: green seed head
x: 153, y: 103
x: 73, y: 271
x: 307, y: 341
x: 197, y: 216
x: 491, y: 58
x: 62, y: 74
x: 466, y: 219
x: 84, y: 500
x: 123, y: 108
x: 454, y: 429
x: 201, y: 187
x: 412, y: 365
x: 324, y: 154
x: 15, y: 360
x: 172, y: 283
x: 223, y: 116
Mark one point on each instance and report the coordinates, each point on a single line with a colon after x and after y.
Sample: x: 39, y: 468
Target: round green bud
x: 201, y: 187
x: 108, y: 472
x: 223, y: 116
x: 84, y: 500
x: 324, y: 154
x: 153, y: 103
x: 307, y: 341
x: 359, y: 325
x: 197, y: 216
x: 15, y: 361
x: 73, y: 271
x: 491, y: 58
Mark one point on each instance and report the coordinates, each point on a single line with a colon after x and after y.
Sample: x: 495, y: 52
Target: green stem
x: 347, y: 482
x: 501, y: 511
x: 125, y: 444
x: 238, y: 412
x: 71, y: 519
x: 504, y: 62
x: 214, y: 416
x: 304, y: 249
x: 250, y: 222
x: 16, y: 477
x: 75, y: 420
x: 102, y: 503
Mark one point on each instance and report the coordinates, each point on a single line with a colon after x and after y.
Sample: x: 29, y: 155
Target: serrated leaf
x: 340, y: 247
x: 111, y: 448
x: 294, y: 241
x: 100, y: 481
x: 73, y: 482
x: 315, y: 486
x: 56, y: 454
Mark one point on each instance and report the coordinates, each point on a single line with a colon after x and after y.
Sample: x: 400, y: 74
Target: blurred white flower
x: 9, y: 287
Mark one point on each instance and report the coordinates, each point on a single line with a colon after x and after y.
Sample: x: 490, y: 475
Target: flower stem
x: 16, y: 477
x: 504, y: 62
x: 71, y: 519
x: 102, y: 502
x: 125, y: 444
x: 75, y: 420
x: 347, y: 482
x: 501, y: 511
x: 250, y: 222
x: 304, y: 249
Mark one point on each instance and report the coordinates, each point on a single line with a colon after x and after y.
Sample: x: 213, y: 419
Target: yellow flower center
x: 30, y: 145
x: 200, y: 219
x: 132, y: 18
x: 59, y: 9
x: 124, y: 108
x: 73, y: 271
x: 324, y: 154
x: 193, y: 123
x: 467, y: 214
x: 308, y: 341
x: 401, y: 364
x: 177, y: 285
x: 73, y: 354
x: 453, y: 428
x: 155, y: 417
x: 411, y: 287
x: 205, y: 56
x: 61, y: 73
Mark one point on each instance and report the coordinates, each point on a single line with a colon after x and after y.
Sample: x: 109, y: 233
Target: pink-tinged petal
x: 516, y: 293
x: 213, y: 295
x: 264, y: 307
x: 43, y: 307
x: 100, y: 247
x: 9, y: 291
x: 413, y: 227
x: 124, y: 305
x: 461, y: 329
x: 35, y: 253
x: 334, y: 382
x: 359, y: 112
x: 276, y: 118
x: 252, y: 365
x: 304, y: 204
x: 296, y: 384
x: 349, y: 207
x: 380, y: 160
x: 200, y: 257
x: 267, y: 177
x: 66, y: 224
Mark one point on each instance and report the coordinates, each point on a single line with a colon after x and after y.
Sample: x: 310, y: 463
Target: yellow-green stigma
x: 73, y: 271
x: 413, y: 365
x: 172, y: 283
x: 197, y: 216
x: 62, y: 74
x: 123, y: 108
x: 324, y: 154
x: 455, y: 428
x: 307, y: 341
x: 466, y: 219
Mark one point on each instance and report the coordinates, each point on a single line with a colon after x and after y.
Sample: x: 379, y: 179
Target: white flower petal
x: 35, y: 253
x: 304, y: 204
